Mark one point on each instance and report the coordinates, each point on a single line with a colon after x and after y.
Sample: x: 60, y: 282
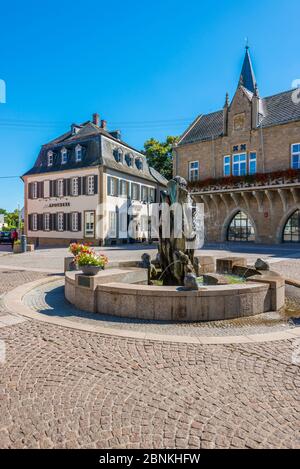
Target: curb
x: 14, y: 304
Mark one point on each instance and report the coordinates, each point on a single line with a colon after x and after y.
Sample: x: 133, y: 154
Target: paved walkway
x: 52, y: 260
x: 66, y: 388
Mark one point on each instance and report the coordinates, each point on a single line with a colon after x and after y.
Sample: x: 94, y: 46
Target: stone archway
x: 292, y: 234
x: 247, y: 229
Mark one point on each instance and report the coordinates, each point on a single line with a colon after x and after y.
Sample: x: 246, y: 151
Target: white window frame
x: 46, y: 221
x: 90, y: 185
x: 78, y: 151
x: 89, y: 224
x: 50, y: 158
x: 295, y: 153
x: 74, y: 221
x: 152, y: 195
x: 252, y: 159
x: 35, y: 190
x: 239, y: 163
x: 112, y: 186
x: 34, y: 222
x: 144, y: 193
x: 194, y: 171
x: 135, y: 186
x: 112, y: 223
x: 64, y: 156
x: 60, y: 221
x: 60, y: 188
x: 226, y: 165
x: 123, y: 221
x: 123, y: 188
x: 75, y: 186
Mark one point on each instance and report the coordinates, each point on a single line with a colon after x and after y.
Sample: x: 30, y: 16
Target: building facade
x: 88, y: 185
x: 243, y: 163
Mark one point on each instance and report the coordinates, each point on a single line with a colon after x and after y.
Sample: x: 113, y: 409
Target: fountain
x: 169, y: 287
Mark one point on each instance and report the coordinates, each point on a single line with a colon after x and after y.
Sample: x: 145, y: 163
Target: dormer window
x: 50, y: 158
x: 129, y: 159
x: 64, y: 156
x: 118, y: 154
x: 139, y: 163
x: 78, y: 153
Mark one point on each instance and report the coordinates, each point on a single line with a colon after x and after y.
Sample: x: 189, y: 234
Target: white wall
x: 77, y: 203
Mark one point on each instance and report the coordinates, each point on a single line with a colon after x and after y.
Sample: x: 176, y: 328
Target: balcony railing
x: 275, y: 178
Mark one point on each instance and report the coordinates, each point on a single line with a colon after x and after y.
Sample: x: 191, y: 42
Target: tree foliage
x: 11, y: 219
x: 159, y: 155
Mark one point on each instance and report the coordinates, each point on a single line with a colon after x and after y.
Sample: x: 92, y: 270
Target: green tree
x: 159, y: 155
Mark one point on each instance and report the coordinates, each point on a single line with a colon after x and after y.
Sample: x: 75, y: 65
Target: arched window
x: 64, y: 155
x: 78, y: 153
x: 129, y: 159
x: 50, y: 158
x: 240, y: 228
x: 139, y: 163
x: 291, y: 231
x: 118, y: 155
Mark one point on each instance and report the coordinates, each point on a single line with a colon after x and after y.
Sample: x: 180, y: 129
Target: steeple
x: 247, y: 77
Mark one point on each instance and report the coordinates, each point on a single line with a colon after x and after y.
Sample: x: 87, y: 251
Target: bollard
x: 24, y: 243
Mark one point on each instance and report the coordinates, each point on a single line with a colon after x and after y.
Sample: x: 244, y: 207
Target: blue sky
x: 148, y: 68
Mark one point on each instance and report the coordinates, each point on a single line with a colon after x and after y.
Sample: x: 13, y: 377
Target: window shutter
x: 69, y: 221
x: 54, y: 221
x: 50, y: 222
x: 95, y: 184
x: 68, y: 186
x: 79, y: 221
x: 30, y: 222
x: 66, y: 220
x: 65, y: 187
x: 39, y: 221
x: 84, y: 185
x: 79, y: 186
x: 118, y: 188
x: 30, y: 190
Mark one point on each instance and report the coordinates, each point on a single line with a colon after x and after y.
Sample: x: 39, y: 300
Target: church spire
x: 247, y: 77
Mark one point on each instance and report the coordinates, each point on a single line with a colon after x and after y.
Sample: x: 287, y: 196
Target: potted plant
x: 17, y: 247
x: 75, y: 249
x: 90, y: 262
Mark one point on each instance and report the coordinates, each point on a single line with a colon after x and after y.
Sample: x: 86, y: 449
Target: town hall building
x: 243, y: 163
x: 89, y: 185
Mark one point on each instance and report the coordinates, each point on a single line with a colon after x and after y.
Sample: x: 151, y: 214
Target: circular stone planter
x: 90, y: 269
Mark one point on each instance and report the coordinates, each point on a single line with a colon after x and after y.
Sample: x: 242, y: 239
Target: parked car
x: 5, y: 237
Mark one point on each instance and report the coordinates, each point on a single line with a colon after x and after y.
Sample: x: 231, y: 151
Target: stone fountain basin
x: 123, y: 292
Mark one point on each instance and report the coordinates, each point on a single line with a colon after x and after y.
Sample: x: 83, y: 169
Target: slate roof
x: 274, y: 110
x: 89, y: 137
x: 247, y: 77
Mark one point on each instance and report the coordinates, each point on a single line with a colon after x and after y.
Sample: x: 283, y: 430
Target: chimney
x: 103, y: 124
x: 96, y: 119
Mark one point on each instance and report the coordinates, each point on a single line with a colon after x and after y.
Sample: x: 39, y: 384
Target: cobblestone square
x: 68, y: 388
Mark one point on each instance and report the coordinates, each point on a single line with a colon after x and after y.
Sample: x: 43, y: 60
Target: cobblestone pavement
x: 65, y: 388
x: 50, y: 301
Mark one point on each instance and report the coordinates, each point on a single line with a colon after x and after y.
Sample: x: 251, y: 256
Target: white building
x: 89, y: 185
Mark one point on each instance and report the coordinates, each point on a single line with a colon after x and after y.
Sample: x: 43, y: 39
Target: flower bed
x: 258, y: 179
